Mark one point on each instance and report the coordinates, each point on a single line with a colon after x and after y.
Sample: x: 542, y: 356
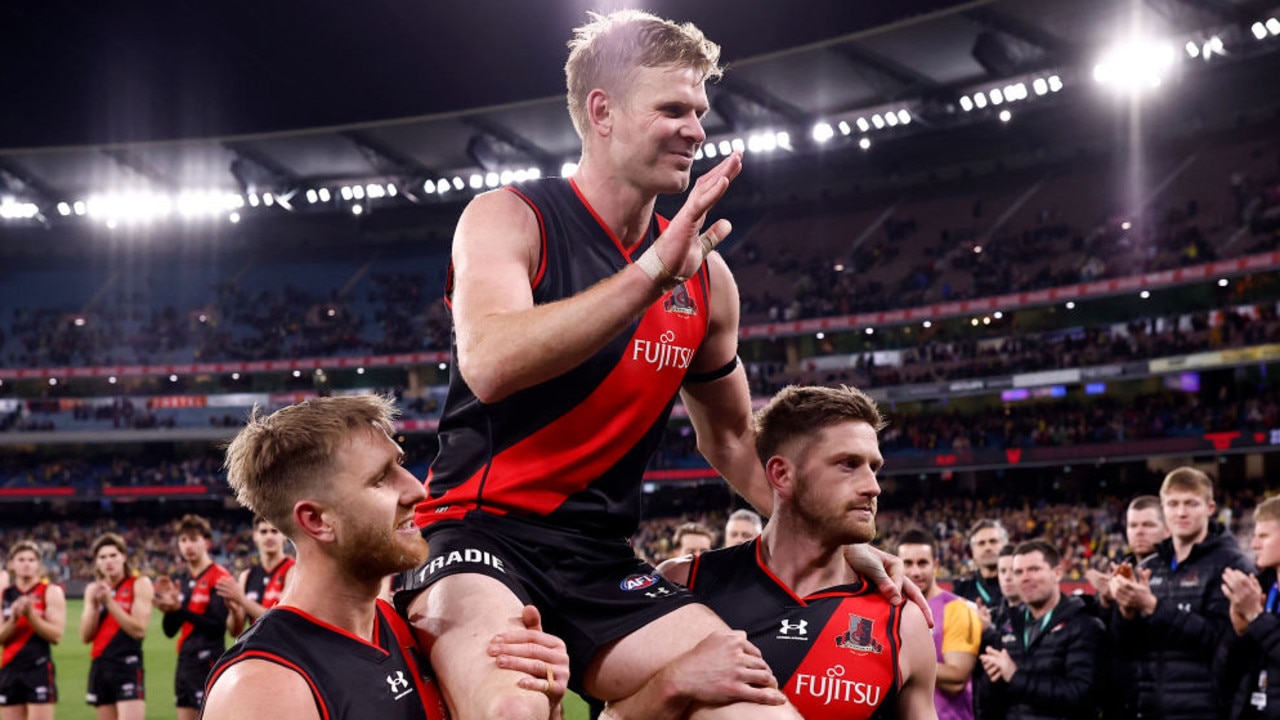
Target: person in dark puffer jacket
x: 1047, y: 668
x: 1173, y: 611
x: 1250, y: 659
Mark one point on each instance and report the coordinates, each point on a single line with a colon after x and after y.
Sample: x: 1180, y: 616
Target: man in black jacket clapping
x: 1252, y: 656
x: 1048, y: 665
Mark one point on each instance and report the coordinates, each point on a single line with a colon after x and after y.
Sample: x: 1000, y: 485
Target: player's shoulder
x: 259, y: 688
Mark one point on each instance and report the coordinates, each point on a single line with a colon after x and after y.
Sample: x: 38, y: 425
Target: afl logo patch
x: 638, y: 582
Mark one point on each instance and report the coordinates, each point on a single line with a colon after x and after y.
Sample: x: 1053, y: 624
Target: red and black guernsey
x: 111, y: 642
x: 201, y: 622
x: 25, y: 648
x: 350, y: 678
x: 265, y: 587
x: 834, y: 653
x: 571, y: 450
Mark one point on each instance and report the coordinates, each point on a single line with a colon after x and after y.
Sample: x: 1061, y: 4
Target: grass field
x: 71, y: 659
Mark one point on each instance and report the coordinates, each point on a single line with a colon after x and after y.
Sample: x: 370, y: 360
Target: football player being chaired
x: 837, y: 648
x: 328, y: 475
x: 35, y: 616
x: 578, y: 317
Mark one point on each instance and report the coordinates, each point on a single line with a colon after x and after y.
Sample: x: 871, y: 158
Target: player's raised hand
x: 684, y: 246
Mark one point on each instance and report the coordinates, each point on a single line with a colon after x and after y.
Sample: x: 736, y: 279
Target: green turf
x: 160, y: 655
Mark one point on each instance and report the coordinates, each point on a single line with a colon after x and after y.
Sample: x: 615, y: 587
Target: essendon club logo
x: 680, y: 301
x: 860, y: 636
x: 637, y: 582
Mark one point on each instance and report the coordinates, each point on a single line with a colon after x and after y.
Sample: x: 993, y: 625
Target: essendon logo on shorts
x: 638, y: 582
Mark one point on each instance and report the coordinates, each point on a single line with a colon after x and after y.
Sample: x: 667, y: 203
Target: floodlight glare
x: 1040, y: 86
x: 891, y: 119
x: 491, y: 179
x: 345, y: 192
x: 966, y: 104
x: 1055, y: 83
x: 904, y: 117
x: 476, y: 182
x: 738, y: 145
x: 1259, y: 31
x: 64, y: 209
x: 1273, y: 25
x: 357, y: 209
x: 507, y: 177
x: 782, y: 139
x: 568, y: 169
x: 1135, y: 65
x: 877, y: 121
x: 844, y: 128
x: 863, y: 125
x: 823, y: 132
x: 709, y: 150
x: 725, y: 147
x: 865, y: 143
x: 996, y: 96
x: 325, y: 195
x: 697, y: 155
x: 1005, y: 116
x: 980, y: 100
x: 1192, y: 48
x: 312, y: 196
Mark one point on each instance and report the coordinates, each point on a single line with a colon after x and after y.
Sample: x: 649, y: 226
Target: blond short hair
x: 1268, y: 509
x: 606, y: 50
x: 1187, y: 479
x: 279, y: 458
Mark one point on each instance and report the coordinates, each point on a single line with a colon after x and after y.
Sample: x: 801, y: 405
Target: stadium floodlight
x: 1005, y: 116
x: 782, y: 139
x: 79, y: 207
x: 64, y: 209
x: 312, y: 196
x: 997, y: 315
x: 996, y: 96
x: 234, y: 217
x: 725, y: 147
x: 927, y: 324
x: 979, y: 100
x: 457, y: 183
x: 475, y: 182
x: 359, y: 371
x: 1213, y: 46
x: 738, y: 145
x: 864, y: 143
x: 1193, y: 49
x: 392, y: 190
x: 253, y: 197
x: 844, y: 128
x: 823, y: 132
x: 1071, y: 305
x: 1273, y: 25
x: 173, y: 378
x: 357, y: 192
x: 1134, y: 65
x: 345, y: 192
x: 324, y: 194
x: 820, y: 335
x: 374, y: 191
x: 534, y: 173
x: 11, y: 209
x: 268, y: 199
x: 904, y: 117
x: 697, y: 154
x: 1145, y: 294
x: 357, y: 209
x: 112, y: 380
x: 863, y: 125
x: 1040, y: 86
x: 568, y: 169
x: 1055, y: 83
x: 966, y: 104
x: 891, y: 119
x: 1259, y: 30
x: 871, y: 331
x: 709, y: 150
x: 507, y: 177
x: 1223, y: 282
x: 877, y: 121
x: 491, y: 179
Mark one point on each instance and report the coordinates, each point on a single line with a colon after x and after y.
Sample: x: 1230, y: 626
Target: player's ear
x: 781, y: 475
x: 600, y: 109
x: 313, y: 520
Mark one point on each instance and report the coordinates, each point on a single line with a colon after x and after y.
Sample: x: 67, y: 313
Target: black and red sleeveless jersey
x: 572, y: 449
x: 111, y: 642
x: 834, y: 653
x: 265, y: 587
x: 201, y: 622
x: 350, y: 678
x: 25, y: 648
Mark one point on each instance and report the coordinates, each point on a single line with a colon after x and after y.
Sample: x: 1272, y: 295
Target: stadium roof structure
x: 395, y: 103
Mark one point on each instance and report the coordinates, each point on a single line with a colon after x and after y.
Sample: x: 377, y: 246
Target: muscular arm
x: 53, y: 622
x: 501, y: 334
x: 257, y: 688
x: 919, y: 667
x: 89, y: 616
x: 720, y: 410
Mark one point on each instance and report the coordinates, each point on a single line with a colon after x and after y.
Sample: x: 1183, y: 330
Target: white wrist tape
x: 657, y: 271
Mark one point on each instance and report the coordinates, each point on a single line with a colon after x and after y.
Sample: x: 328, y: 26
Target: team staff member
x: 1047, y: 664
x: 327, y: 473
x: 986, y: 539
x: 742, y: 526
x: 957, y: 630
x: 1252, y: 656
x: 195, y: 613
x: 1173, y: 612
x: 261, y: 585
x: 117, y: 608
x: 34, y: 618
x: 578, y: 313
x: 837, y: 648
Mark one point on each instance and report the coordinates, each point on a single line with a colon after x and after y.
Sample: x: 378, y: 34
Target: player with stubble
x: 328, y: 474
x: 579, y: 316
